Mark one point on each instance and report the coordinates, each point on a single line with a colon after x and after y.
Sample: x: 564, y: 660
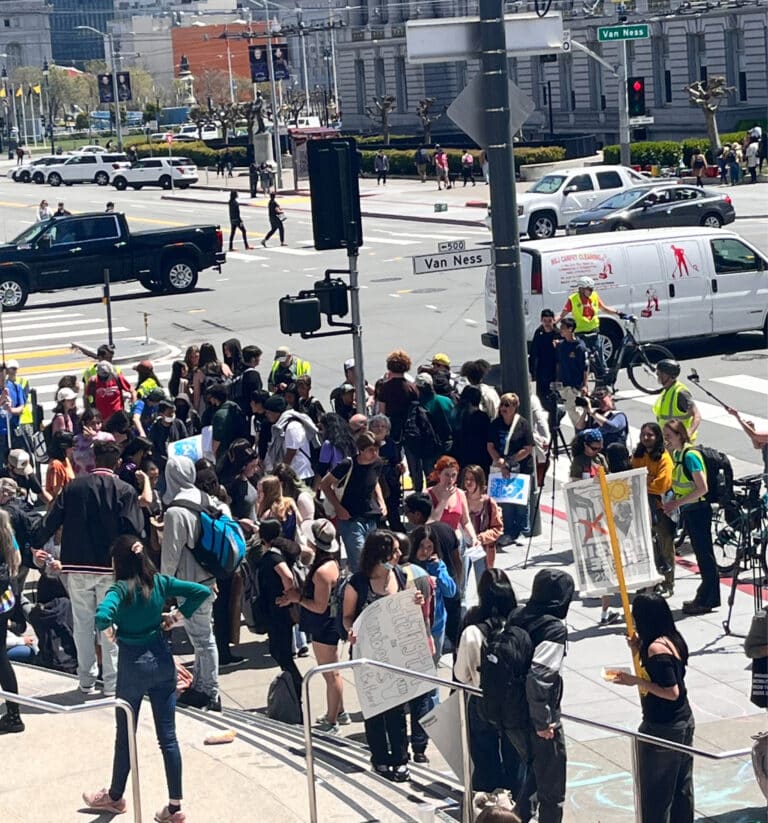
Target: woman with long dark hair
x: 178, y: 382
x: 470, y: 430
x: 651, y: 455
x: 666, y: 776
x: 338, y: 442
x: 132, y: 614
x: 60, y: 470
x: 10, y: 562
x: 496, y: 762
x: 484, y: 512
x: 232, y: 356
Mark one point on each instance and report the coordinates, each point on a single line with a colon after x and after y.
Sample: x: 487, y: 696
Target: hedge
x: 401, y: 162
x: 669, y: 152
x: 200, y: 154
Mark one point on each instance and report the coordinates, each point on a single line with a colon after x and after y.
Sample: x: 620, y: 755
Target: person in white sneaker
x: 131, y: 615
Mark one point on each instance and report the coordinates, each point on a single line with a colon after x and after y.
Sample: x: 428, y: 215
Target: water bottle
x: 675, y: 515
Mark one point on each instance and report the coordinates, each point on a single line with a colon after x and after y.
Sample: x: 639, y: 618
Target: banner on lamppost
x: 106, y: 94
x: 124, y: 87
x: 280, y: 62
x: 257, y: 58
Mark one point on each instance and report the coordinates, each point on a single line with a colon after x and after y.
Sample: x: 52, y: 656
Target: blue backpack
x: 220, y: 548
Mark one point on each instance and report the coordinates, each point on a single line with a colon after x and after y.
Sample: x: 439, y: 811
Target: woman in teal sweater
x: 132, y: 613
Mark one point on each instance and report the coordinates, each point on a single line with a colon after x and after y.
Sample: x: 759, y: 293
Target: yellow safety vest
x: 666, y: 408
x: 298, y: 368
x: 585, y: 324
x: 681, y: 483
x: 26, y: 417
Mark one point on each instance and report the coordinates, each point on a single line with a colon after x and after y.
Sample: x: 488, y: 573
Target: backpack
x: 419, y: 435
x: 276, y: 451
x: 719, y: 474
x: 253, y: 607
x: 53, y: 626
x: 337, y: 603
x: 237, y: 391
x: 283, y: 702
x: 504, y: 664
x: 241, y: 428
x: 220, y: 548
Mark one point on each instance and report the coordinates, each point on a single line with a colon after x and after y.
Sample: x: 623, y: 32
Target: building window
x: 659, y: 58
x: 7, y: 23
x: 668, y: 86
x: 379, y: 77
x: 360, y: 86
x: 742, y: 87
x: 401, y: 83
x: 697, y: 57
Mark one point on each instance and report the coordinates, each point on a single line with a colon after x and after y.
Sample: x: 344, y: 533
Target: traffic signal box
x: 636, y: 96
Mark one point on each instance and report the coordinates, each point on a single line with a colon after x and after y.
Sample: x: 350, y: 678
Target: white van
x: 678, y: 282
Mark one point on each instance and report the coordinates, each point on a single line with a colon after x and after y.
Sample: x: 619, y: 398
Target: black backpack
x: 419, y: 435
x: 719, y: 474
x: 504, y: 665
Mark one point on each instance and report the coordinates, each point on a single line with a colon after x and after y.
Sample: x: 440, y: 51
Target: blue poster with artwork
x: 515, y: 489
x: 191, y: 447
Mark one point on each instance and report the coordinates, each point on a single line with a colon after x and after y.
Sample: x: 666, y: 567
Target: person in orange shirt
x: 652, y: 455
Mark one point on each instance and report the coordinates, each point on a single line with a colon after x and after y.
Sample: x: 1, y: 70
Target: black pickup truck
x: 66, y: 252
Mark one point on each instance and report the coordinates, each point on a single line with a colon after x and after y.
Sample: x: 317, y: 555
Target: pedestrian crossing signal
x: 636, y: 96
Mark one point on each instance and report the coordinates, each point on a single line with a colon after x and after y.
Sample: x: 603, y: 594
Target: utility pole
x: 625, y: 153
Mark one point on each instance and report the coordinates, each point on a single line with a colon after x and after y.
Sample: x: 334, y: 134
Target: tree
x: 213, y: 84
x: 82, y: 121
x: 379, y: 113
x: 201, y: 118
x: 708, y: 95
x: 294, y: 102
x: 228, y: 115
x: 423, y: 110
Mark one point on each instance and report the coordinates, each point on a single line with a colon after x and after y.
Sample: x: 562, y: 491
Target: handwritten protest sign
x: 595, y: 568
x: 443, y: 725
x: 391, y: 630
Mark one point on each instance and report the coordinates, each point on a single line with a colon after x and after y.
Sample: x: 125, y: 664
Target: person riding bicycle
x: 585, y: 306
x: 675, y: 401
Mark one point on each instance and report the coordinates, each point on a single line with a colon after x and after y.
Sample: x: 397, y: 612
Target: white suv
x: 180, y: 172
x: 86, y: 168
x: 558, y: 197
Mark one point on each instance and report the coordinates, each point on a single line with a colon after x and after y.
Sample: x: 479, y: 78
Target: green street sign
x: 634, y: 31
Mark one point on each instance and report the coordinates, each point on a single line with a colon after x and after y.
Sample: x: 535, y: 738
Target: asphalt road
x: 423, y: 314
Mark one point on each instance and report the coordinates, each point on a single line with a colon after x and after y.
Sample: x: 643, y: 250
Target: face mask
x: 169, y: 420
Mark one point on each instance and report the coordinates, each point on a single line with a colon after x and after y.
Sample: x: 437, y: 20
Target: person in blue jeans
x: 132, y: 614
x: 353, y: 488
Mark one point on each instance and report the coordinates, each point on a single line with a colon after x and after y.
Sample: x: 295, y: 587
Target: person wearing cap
x: 26, y: 418
x: 20, y: 468
x: 147, y: 380
x: 286, y: 368
x: 343, y: 399
x: 104, y: 352
x: 145, y: 408
x: 316, y: 619
x: 167, y: 428
x: 585, y: 305
x: 307, y: 404
x: 62, y: 421
x: 353, y: 488
x: 106, y: 389
x: 289, y: 442
x: 12, y: 401
x: 675, y: 401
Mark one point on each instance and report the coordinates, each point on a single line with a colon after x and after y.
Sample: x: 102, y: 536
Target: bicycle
x: 638, y: 358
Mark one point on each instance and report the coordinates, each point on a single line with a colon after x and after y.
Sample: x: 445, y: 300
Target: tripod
x: 557, y: 439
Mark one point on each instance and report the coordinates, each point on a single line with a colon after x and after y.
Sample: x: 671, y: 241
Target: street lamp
x: 4, y: 77
x: 49, y: 125
x: 109, y: 43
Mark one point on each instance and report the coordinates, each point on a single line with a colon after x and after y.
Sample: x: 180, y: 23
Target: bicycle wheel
x: 727, y: 539
x: 642, y: 367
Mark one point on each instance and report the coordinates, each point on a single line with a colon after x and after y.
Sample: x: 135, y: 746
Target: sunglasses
x: 595, y: 447
x: 507, y: 405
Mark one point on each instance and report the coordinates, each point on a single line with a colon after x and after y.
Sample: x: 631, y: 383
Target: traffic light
x: 636, y: 96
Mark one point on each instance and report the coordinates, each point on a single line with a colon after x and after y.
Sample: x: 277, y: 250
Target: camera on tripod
x: 556, y: 402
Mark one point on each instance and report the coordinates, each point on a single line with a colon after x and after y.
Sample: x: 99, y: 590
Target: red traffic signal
x: 637, y: 85
x: 636, y: 96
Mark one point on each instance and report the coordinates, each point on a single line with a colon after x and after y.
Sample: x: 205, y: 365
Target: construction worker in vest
x: 285, y: 369
x: 675, y: 401
x: 689, y: 504
x: 26, y: 419
x: 104, y: 352
x: 585, y: 305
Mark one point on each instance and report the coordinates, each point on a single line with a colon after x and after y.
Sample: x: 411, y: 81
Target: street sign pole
x: 625, y: 154
x: 506, y: 238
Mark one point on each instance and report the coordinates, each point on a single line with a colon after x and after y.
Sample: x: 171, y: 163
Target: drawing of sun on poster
x: 595, y: 571
x: 391, y: 630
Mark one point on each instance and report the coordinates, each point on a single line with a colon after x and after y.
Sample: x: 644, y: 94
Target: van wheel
x: 712, y: 221
x: 542, y: 225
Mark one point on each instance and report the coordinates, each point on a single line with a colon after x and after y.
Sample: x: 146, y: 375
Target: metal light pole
x: 109, y: 43
x: 49, y: 107
x: 333, y: 55
x: 7, y: 110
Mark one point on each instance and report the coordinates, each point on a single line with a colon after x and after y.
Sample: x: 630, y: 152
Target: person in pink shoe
x: 131, y: 614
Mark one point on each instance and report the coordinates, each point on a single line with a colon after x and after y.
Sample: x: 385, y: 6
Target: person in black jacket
x: 276, y: 218
x: 92, y: 510
x: 542, y: 358
x: 542, y: 744
x: 236, y: 221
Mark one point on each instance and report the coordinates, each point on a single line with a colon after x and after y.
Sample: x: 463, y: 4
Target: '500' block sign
x: 469, y: 259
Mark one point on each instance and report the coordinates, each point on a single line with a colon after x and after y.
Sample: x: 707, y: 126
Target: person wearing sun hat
x: 286, y: 369
x: 316, y: 619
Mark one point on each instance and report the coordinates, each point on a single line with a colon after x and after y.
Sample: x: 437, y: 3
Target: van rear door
x: 687, y: 272
x: 739, y: 285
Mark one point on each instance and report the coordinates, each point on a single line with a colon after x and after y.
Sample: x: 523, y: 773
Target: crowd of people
x: 388, y: 491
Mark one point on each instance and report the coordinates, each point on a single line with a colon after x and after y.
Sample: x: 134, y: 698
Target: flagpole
x: 33, y: 122
x: 24, y: 117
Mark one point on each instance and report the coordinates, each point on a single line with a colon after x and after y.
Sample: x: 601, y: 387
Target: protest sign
x: 514, y: 489
x: 443, y: 725
x: 595, y: 568
x: 191, y: 447
x: 391, y: 630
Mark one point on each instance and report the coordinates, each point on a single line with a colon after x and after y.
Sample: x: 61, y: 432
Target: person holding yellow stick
x: 666, y: 776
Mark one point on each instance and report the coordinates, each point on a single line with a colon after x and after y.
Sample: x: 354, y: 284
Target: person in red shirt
x: 106, y: 390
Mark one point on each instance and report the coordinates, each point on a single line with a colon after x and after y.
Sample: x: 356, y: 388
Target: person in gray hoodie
x: 181, y: 531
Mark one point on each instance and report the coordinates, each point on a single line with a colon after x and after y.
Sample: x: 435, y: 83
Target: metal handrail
x: 465, y: 689
x: 80, y: 708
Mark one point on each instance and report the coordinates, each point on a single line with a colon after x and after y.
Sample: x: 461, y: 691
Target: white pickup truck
x: 552, y: 201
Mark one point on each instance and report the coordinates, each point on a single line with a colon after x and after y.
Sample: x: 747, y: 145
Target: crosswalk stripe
x: 54, y: 325
x: 57, y: 335
x: 28, y: 354
x: 237, y: 255
x: 744, y: 381
x: 390, y: 241
x: 288, y: 250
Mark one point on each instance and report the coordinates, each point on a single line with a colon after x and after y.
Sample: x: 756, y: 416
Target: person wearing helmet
x: 585, y: 305
x: 675, y: 401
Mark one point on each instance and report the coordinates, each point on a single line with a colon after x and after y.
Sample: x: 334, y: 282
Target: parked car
x: 209, y: 132
x: 156, y: 171
x: 23, y: 174
x: 657, y: 206
x: 559, y: 197
x: 93, y: 149
x: 680, y: 282
x: 66, y: 252
x: 86, y: 168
